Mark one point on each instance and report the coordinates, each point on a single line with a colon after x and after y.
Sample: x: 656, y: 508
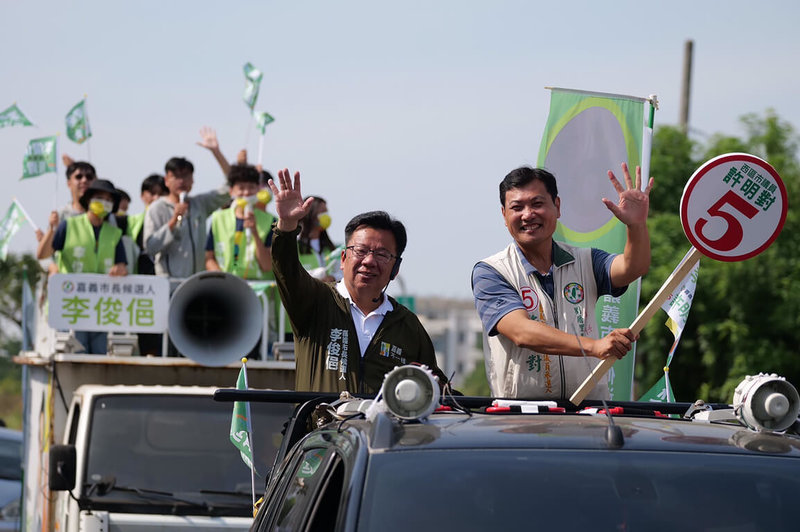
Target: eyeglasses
x: 78, y: 177
x: 381, y: 255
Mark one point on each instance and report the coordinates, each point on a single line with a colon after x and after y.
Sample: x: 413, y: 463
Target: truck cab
x: 156, y: 458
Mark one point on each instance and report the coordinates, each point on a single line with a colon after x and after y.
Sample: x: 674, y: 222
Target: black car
x: 479, y: 464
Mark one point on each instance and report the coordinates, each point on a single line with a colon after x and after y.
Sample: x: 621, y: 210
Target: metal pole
x: 686, y: 84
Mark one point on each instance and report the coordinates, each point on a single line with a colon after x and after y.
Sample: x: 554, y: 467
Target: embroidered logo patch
x: 573, y: 293
x: 529, y: 298
x: 385, y: 349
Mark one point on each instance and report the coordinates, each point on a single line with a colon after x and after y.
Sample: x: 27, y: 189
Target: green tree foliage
x: 745, y: 317
x: 476, y: 384
x: 11, y: 281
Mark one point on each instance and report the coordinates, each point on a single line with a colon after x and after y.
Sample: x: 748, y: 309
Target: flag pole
x: 250, y: 437
x: 260, y: 150
x: 88, y: 129
x: 55, y: 196
x: 672, y: 282
x: 25, y: 213
x: 247, y: 131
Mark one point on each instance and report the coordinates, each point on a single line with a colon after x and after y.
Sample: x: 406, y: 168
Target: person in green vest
x: 318, y: 254
x: 153, y: 187
x: 88, y: 244
x: 240, y: 236
x: 122, y: 220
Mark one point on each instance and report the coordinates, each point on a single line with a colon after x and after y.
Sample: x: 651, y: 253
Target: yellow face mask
x: 324, y: 220
x: 263, y: 196
x: 100, y: 207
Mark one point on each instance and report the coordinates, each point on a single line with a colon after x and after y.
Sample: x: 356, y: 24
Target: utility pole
x: 686, y: 84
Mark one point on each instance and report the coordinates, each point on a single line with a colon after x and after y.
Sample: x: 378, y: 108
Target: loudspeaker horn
x: 766, y: 402
x: 214, y: 318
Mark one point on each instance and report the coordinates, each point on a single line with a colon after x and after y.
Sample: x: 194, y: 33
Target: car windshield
x: 177, y: 443
x: 578, y: 490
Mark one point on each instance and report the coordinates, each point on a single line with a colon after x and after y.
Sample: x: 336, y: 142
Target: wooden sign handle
x: 672, y: 282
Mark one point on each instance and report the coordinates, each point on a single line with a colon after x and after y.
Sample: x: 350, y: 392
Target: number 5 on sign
x: 733, y: 207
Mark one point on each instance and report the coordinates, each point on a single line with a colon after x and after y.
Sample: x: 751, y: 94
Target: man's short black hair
x: 178, y: 165
x: 242, y: 173
x: 378, y: 220
x: 523, y: 175
x: 153, y: 181
x: 81, y: 165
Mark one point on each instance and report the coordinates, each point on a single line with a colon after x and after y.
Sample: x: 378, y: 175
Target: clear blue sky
x: 417, y: 107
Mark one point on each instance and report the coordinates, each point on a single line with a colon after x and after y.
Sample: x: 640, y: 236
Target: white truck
x: 155, y: 458
x: 134, y: 443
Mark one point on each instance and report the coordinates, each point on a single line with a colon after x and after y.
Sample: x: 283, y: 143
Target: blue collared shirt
x: 495, y: 296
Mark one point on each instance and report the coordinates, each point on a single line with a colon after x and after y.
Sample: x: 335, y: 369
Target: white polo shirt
x: 366, y: 326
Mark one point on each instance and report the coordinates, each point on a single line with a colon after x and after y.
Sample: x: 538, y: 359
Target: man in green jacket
x: 348, y: 335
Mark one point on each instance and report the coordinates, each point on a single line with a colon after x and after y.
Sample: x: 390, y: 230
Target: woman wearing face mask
x: 317, y: 252
x: 88, y: 244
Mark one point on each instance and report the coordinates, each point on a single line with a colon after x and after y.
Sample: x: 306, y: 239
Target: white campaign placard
x: 95, y: 302
x: 733, y: 207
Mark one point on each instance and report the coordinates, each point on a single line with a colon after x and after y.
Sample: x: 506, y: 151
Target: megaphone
x: 214, y: 318
x: 766, y: 402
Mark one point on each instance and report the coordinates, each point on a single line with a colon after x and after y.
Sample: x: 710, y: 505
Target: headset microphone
x: 395, y: 270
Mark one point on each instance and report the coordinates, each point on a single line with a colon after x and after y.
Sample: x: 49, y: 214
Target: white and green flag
x: 262, y: 120
x: 587, y: 134
x: 240, y: 422
x: 40, y: 157
x: 677, y: 307
x: 78, y: 129
x: 9, y: 226
x: 13, y: 117
x: 252, y: 77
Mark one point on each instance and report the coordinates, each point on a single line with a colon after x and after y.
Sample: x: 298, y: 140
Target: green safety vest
x: 135, y: 224
x: 223, y: 225
x: 82, y: 253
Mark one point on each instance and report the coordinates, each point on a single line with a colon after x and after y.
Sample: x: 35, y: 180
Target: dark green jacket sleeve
x: 299, y: 291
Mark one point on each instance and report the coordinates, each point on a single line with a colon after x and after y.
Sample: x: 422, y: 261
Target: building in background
x: 455, y: 328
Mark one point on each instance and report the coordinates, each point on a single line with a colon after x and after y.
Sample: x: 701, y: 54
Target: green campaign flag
x: 262, y: 120
x: 252, y: 77
x: 78, y: 123
x: 661, y: 392
x: 240, y: 422
x: 40, y: 157
x: 587, y: 134
x: 13, y: 117
x: 9, y: 227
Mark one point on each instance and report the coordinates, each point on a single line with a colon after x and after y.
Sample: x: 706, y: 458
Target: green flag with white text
x: 252, y: 77
x: 78, y: 123
x: 587, y: 134
x: 661, y: 392
x: 9, y: 226
x: 40, y: 157
x: 13, y: 117
x: 262, y: 120
x: 240, y: 423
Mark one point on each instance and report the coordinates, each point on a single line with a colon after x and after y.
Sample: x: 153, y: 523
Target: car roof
x: 569, y: 431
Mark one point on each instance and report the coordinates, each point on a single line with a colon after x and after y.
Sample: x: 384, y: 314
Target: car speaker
x: 766, y: 402
x: 410, y: 392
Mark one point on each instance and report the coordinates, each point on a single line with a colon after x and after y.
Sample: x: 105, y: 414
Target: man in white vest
x: 536, y: 296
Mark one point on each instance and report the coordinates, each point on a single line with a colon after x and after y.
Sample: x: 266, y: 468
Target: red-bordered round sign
x: 733, y: 207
